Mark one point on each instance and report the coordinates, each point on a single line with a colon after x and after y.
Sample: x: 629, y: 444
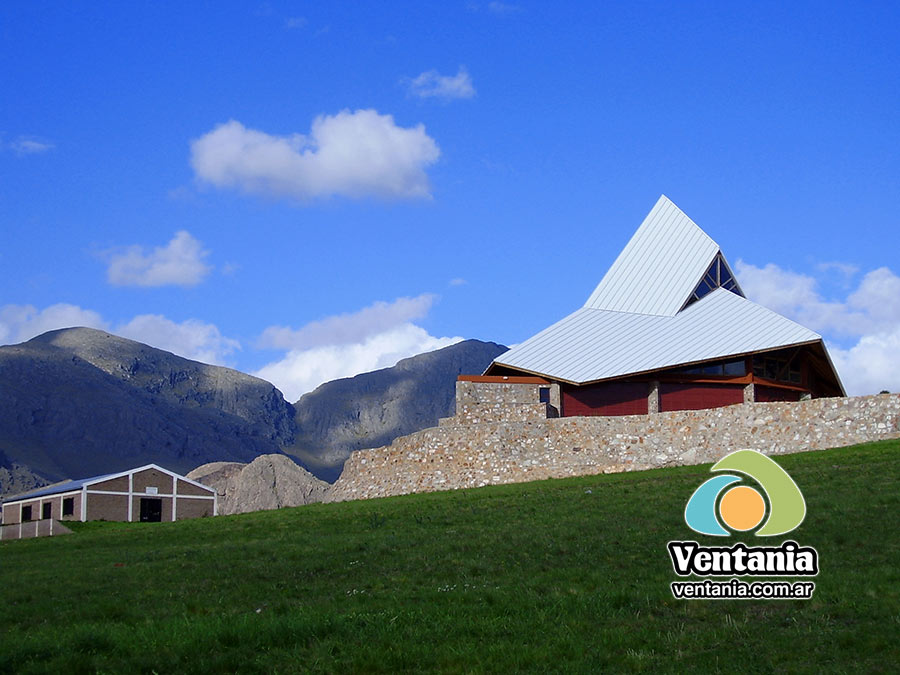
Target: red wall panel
x: 606, y: 398
x: 698, y: 396
x: 766, y: 394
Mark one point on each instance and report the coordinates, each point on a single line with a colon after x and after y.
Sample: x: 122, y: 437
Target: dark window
x: 738, y: 367
x: 47, y: 510
x: 69, y: 506
x: 26, y: 513
x: 717, y: 276
x: 544, y: 393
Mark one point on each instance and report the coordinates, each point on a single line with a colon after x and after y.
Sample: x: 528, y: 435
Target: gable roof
x: 659, y: 269
x: 595, y: 344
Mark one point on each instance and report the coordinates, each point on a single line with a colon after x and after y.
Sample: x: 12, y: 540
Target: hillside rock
x: 16, y: 478
x: 372, y: 409
x: 268, y: 482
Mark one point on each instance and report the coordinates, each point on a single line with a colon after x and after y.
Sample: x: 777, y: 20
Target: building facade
x: 147, y: 494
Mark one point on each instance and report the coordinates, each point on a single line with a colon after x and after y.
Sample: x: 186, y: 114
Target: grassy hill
x: 564, y: 575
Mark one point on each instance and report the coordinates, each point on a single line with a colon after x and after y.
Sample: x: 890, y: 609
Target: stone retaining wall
x: 456, y: 455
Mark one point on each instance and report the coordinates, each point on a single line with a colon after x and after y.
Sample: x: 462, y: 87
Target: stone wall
x: 463, y: 453
x: 487, y: 400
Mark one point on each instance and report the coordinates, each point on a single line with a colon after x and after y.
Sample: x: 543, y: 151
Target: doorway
x: 151, y: 510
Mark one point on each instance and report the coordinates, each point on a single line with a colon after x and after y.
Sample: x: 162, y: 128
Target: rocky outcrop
x: 15, y: 478
x: 268, y: 482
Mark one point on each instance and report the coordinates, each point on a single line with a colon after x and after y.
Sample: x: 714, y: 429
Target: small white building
x: 147, y: 494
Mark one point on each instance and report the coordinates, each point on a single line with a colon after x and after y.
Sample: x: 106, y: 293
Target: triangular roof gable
x: 659, y: 270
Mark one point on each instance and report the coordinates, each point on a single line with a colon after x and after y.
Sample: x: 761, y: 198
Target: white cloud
x: 348, y: 328
x: 303, y: 370
x: 375, y: 337
x: 192, y: 339
x: 458, y: 281
x: 358, y: 154
x: 27, y: 145
x: 846, y: 270
x: 432, y: 84
x: 878, y: 298
x: 23, y: 322
x: 178, y: 263
x: 870, y: 315
x: 871, y: 365
x: 294, y: 22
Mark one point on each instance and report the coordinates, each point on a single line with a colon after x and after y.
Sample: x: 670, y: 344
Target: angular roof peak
x: 662, y: 267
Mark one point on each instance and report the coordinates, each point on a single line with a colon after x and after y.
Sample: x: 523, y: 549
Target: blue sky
x: 309, y: 190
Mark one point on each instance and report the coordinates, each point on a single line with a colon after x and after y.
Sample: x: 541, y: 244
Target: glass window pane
x: 735, y: 368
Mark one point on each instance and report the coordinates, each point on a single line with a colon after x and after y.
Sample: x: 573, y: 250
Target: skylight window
x: 717, y: 276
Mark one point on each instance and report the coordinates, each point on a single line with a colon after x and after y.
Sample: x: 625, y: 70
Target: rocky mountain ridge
x: 80, y: 402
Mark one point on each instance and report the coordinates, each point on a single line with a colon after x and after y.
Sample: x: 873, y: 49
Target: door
x: 151, y: 510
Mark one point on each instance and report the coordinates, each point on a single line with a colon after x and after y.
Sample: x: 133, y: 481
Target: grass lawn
x: 563, y: 575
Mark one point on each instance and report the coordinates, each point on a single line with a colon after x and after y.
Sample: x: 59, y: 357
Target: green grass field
x: 561, y: 576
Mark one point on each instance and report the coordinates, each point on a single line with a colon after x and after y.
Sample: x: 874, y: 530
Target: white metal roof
x: 659, y: 268
x: 596, y: 344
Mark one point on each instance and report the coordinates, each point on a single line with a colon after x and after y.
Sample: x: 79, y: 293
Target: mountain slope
x: 372, y: 409
x: 79, y: 401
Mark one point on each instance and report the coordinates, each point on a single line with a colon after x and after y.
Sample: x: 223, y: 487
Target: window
x: 26, y: 513
x: 777, y: 368
x: 729, y: 368
x: 738, y: 367
x: 544, y: 393
x: 717, y: 276
x: 69, y: 506
x: 46, y: 510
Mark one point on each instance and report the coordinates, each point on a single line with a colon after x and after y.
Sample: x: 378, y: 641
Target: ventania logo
x: 774, y: 506
x: 742, y: 508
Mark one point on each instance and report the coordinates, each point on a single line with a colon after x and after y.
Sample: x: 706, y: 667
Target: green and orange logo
x: 743, y: 507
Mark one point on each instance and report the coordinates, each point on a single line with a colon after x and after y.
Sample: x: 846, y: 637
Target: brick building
x: 668, y: 328
x: 147, y: 494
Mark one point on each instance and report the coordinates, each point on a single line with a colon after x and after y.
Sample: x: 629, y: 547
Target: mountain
x: 372, y: 409
x: 79, y: 402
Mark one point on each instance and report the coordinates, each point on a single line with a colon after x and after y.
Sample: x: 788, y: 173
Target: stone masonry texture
x: 507, y: 438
